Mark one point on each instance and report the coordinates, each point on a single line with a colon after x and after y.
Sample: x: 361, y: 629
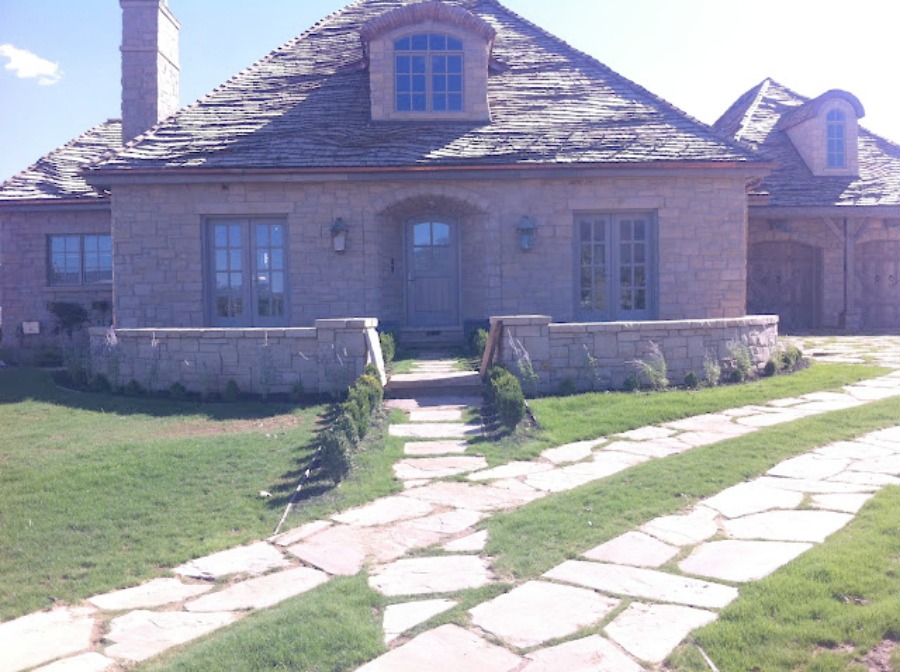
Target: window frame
x: 80, y: 257
x: 836, y: 139
x: 614, y: 263
x: 250, y: 294
x: 429, y: 54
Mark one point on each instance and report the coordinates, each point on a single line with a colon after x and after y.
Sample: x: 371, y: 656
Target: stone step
x: 439, y: 337
x: 457, y: 383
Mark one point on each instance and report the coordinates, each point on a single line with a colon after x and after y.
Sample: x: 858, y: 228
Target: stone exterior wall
x: 321, y: 359
x: 159, y: 243
x: 25, y: 291
x: 559, y: 353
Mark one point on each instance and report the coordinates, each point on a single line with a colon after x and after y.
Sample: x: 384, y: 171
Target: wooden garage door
x: 878, y: 271
x: 784, y: 279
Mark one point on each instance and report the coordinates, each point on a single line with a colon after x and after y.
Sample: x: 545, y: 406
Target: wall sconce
x: 527, y: 232
x: 339, y: 230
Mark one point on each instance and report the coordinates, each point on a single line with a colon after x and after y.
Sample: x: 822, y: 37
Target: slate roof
x: 58, y: 175
x: 306, y: 107
x: 754, y: 119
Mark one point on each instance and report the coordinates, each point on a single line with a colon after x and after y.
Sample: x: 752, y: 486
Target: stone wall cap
x: 521, y: 320
x: 348, y: 323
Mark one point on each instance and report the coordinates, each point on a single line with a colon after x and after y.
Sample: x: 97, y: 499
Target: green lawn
x: 100, y: 492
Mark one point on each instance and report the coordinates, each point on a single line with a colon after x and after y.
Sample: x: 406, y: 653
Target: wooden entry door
x: 432, y: 263
x: 784, y: 279
x: 878, y: 270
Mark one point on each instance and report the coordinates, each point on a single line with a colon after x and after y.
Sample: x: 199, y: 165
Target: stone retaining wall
x: 560, y: 353
x: 321, y: 359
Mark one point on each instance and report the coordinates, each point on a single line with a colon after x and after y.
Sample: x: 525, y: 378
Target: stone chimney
x: 150, y: 70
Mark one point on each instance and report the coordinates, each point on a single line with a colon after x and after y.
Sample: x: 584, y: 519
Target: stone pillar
x: 150, y: 69
x: 344, y: 351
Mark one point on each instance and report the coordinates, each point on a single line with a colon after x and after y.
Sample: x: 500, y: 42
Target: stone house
x: 824, y: 246
x: 430, y: 164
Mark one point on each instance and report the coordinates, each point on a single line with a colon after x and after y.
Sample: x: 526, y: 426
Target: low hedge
x: 349, y: 425
x: 504, y: 393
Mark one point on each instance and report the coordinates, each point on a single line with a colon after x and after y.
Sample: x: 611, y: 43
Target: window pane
x: 454, y: 65
x: 454, y: 102
x: 438, y: 42
x: 441, y: 233
x: 419, y: 42
x: 234, y: 235
x: 402, y: 44
x: 419, y: 66
x: 453, y: 44
x: 234, y: 260
x: 262, y: 235
x: 403, y: 65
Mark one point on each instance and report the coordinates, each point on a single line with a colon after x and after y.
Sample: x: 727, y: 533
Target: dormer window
x: 428, y: 73
x: 428, y: 61
x: 836, y: 125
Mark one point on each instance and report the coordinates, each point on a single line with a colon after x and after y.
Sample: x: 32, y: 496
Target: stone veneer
x: 559, y: 352
x: 702, y: 241
x: 263, y: 361
x: 25, y: 291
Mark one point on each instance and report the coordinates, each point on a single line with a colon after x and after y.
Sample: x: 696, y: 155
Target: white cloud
x: 26, y: 65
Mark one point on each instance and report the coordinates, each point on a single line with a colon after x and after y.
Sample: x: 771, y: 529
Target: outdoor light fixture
x: 339, y: 230
x: 527, y: 231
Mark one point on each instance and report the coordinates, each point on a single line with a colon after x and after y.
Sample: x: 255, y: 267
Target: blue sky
x: 59, y: 59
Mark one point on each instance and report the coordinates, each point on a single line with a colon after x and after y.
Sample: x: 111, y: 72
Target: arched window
x: 836, y: 124
x: 428, y: 73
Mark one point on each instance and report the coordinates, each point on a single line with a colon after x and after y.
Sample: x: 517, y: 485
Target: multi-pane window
x: 248, y: 272
x: 836, y: 124
x: 80, y: 259
x: 428, y: 73
x: 616, y: 265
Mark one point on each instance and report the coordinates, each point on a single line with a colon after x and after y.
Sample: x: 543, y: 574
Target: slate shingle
x: 58, y: 175
x: 754, y: 118
x: 306, y: 106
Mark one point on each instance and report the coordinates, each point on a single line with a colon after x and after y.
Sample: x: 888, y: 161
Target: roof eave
x: 107, y: 177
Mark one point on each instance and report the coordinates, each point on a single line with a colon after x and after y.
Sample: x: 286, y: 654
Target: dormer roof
x: 814, y: 107
x: 755, y: 119
x: 433, y: 10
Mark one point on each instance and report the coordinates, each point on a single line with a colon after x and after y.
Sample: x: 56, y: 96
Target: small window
x: 428, y: 73
x: 836, y: 123
x: 80, y: 259
x: 247, y: 272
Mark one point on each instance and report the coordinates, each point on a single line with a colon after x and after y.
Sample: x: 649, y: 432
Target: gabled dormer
x: 825, y: 131
x: 428, y: 62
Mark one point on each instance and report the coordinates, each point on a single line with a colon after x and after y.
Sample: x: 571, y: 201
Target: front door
x: 432, y: 262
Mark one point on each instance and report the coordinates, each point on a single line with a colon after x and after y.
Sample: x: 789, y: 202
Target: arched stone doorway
x: 432, y: 232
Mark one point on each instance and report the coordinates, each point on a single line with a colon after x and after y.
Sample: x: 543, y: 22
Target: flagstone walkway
x: 739, y: 535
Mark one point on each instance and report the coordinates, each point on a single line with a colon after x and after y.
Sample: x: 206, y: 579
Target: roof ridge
x: 762, y: 88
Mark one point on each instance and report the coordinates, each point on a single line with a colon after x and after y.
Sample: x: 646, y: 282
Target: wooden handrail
x: 492, y: 347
